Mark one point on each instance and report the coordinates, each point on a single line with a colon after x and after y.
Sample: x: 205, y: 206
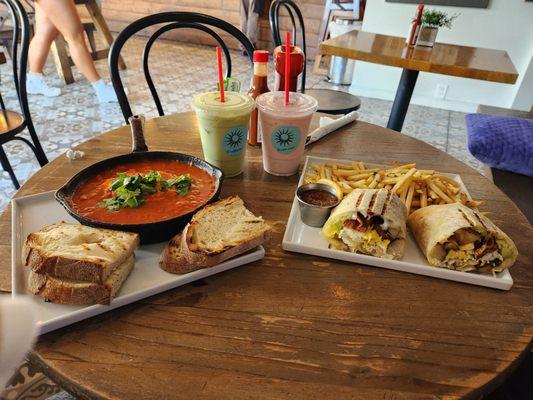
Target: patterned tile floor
x: 75, y: 116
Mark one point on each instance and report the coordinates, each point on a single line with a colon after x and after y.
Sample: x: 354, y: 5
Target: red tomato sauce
x: 159, y: 206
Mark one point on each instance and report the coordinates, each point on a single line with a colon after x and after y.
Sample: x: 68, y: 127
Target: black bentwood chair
x: 329, y: 101
x: 12, y: 123
x: 174, y: 20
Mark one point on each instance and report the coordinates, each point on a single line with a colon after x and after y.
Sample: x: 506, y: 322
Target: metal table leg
x: 402, y: 99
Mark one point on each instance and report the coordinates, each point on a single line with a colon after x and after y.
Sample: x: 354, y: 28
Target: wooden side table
x: 64, y: 62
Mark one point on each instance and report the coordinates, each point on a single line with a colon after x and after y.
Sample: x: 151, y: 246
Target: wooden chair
x: 12, y: 123
x: 59, y: 48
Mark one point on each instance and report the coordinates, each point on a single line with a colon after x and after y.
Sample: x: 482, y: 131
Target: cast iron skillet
x: 153, y: 232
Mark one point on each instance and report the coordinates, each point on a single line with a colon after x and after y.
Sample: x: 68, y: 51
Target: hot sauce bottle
x: 297, y: 66
x: 259, y: 86
x: 414, y: 29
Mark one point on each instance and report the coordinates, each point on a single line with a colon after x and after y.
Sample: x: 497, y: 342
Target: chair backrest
x: 174, y: 20
x: 19, y: 57
x: 291, y: 8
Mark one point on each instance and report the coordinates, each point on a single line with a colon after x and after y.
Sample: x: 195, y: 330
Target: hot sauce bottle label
x: 234, y: 139
x: 285, y: 139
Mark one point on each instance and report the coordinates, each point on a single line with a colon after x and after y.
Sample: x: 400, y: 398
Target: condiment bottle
x: 259, y: 86
x: 414, y: 28
x: 297, y: 66
x: 418, y: 18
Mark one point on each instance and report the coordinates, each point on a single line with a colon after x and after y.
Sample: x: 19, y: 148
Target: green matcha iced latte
x: 224, y: 128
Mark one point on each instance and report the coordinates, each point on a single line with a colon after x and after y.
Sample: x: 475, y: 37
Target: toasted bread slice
x: 222, y: 225
x: 77, y: 252
x: 216, y: 233
x: 72, y: 292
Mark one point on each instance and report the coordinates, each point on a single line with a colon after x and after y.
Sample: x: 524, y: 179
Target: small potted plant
x: 432, y: 20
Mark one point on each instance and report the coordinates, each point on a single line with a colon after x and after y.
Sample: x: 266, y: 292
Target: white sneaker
x: 105, y: 93
x: 35, y: 84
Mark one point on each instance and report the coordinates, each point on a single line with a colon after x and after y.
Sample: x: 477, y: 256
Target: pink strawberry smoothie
x: 284, y: 129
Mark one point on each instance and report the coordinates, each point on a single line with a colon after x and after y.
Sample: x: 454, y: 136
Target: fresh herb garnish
x: 131, y: 190
x: 182, y: 184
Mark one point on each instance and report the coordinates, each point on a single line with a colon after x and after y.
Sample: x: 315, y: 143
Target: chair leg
x: 7, y: 167
x: 101, y: 26
x: 61, y: 59
x: 92, y: 41
x: 37, y: 148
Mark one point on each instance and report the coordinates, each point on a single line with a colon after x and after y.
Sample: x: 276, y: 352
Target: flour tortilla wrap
x: 435, y: 226
x: 369, y: 203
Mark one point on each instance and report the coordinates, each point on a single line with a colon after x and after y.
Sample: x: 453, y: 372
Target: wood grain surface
x: 295, y: 326
x: 447, y: 59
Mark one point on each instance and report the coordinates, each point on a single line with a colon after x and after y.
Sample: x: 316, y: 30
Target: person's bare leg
x: 45, y: 34
x: 64, y: 16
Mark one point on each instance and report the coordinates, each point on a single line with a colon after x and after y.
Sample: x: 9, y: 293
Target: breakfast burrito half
x: 456, y: 237
x: 368, y: 221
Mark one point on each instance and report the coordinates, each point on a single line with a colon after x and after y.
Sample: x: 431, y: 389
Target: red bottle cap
x: 261, y: 56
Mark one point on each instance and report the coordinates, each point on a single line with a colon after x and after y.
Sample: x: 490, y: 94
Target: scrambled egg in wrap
x: 368, y: 221
x: 456, y: 237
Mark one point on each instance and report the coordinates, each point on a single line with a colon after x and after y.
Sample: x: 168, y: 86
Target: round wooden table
x: 296, y: 326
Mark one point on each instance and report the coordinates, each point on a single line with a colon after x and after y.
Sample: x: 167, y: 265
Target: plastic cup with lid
x: 224, y: 128
x: 284, y: 130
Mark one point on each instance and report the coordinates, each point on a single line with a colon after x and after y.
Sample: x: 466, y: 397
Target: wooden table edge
x: 78, y: 390
x: 422, y: 66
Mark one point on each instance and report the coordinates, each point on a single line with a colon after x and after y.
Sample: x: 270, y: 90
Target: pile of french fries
x: 417, y: 188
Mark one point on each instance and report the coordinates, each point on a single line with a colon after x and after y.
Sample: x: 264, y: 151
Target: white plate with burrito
x: 305, y: 239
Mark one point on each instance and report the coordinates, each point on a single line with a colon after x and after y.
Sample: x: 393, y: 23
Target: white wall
x: 505, y: 25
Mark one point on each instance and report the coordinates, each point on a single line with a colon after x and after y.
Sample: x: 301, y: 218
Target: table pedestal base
x: 402, y: 99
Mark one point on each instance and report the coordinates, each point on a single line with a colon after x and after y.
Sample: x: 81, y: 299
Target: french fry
x: 359, y: 176
x: 358, y: 184
x: 416, y: 187
x: 374, y: 182
x: 347, y: 172
x: 443, y: 194
x: 448, y: 180
x: 328, y: 173
x: 440, y: 193
x: 390, y: 180
x: 409, y: 198
x: 400, y: 183
x: 424, y: 198
x: 403, y: 193
x: 405, y: 166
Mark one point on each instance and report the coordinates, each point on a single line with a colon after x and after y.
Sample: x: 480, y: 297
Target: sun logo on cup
x: 234, y: 138
x: 285, y: 139
x: 233, y: 141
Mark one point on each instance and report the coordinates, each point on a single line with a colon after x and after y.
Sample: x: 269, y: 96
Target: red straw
x: 287, y: 64
x: 220, y: 78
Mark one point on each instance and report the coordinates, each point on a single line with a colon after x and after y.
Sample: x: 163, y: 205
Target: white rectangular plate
x: 31, y: 213
x: 301, y: 238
